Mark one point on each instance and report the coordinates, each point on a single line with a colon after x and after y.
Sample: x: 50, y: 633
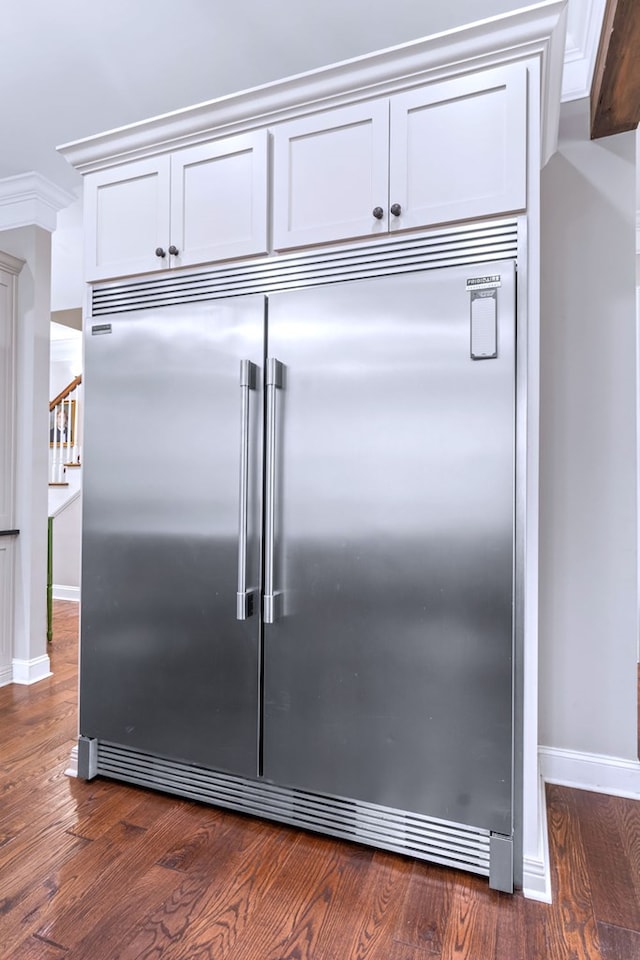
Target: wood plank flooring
x: 104, y: 871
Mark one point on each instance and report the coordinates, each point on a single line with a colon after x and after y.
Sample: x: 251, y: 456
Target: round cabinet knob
x: 378, y: 213
x: 173, y: 250
x: 160, y: 252
x: 396, y: 209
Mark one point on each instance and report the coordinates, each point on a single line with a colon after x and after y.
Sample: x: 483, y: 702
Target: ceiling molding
x: 10, y: 264
x: 31, y: 200
x: 584, y: 24
x: 615, y: 91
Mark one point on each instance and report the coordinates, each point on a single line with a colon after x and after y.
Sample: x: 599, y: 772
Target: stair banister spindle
x: 59, y: 435
x: 54, y: 458
x: 74, y: 431
x: 65, y: 447
x: 72, y: 407
x: 66, y: 433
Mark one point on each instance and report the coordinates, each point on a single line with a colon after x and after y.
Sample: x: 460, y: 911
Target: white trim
x: 591, y: 771
x: 536, y: 883
x: 72, y: 769
x: 56, y: 513
x: 6, y: 675
x: 31, y: 200
x: 534, y: 31
x: 31, y: 671
x: 584, y: 25
x: 9, y: 263
x: 638, y: 231
x: 62, y: 592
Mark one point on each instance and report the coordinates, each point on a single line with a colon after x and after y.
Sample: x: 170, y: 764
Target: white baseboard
x: 591, y: 771
x: 6, y: 675
x: 72, y: 769
x: 60, y: 592
x: 536, y: 871
x: 30, y: 671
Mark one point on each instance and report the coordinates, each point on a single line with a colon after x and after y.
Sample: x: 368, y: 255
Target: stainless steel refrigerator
x: 298, y: 556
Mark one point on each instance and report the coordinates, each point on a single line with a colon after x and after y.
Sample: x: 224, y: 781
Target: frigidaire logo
x: 483, y: 282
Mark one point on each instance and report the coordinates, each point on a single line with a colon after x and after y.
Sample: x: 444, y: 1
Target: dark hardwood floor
x: 104, y: 871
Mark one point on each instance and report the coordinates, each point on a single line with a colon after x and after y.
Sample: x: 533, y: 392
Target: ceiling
x: 76, y: 68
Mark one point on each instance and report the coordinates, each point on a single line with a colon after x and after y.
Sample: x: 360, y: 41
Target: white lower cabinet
x: 6, y: 609
x: 445, y: 151
x: 196, y: 205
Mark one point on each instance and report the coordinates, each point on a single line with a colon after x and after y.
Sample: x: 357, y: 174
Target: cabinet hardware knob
x: 396, y: 209
x: 173, y: 250
x: 160, y: 252
x: 378, y: 213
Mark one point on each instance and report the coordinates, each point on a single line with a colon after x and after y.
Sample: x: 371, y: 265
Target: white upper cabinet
x: 330, y: 171
x: 453, y: 150
x: 440, y: 130
x: 458, y: 149
x: 219, y: 199
x: 126, y: 212
x: 199, y: 204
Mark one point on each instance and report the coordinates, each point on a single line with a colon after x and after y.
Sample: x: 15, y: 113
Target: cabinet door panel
x: 7, y: 402
x: 6, y: 609
x: 458, y: 149
x: 127, y: 218
x: 330, y: 171
x: 219, y: 199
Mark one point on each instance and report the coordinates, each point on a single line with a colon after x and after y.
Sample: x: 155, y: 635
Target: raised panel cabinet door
x: 331, y: 172
x: 127, y: 219
x: 6, y: 609
x: 7, y: 398
x: 458, y: 149
x: 219, y: 199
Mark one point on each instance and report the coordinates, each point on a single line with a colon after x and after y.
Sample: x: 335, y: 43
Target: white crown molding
x: 31, y: 200
x: 10, y: 264
x: 590, y: 771
x: 31, y: 671
x: 584, y: 24
x: 534, y: 31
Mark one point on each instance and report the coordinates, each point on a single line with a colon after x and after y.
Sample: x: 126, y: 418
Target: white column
x: 27, y: 217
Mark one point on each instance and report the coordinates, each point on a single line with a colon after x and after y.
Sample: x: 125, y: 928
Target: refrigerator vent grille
x: 448, y: 248
x: 425, y: 838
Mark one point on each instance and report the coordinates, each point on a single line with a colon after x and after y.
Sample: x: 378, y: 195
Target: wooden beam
x: 615, y: 91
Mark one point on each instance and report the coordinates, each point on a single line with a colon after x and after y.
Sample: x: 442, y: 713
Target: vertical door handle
x: 273, y: 382
x: 244, y: 598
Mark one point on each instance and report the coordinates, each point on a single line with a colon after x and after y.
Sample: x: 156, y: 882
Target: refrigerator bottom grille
x: 438, y: 841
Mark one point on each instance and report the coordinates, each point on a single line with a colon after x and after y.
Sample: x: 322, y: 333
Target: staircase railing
x: 64, y: 431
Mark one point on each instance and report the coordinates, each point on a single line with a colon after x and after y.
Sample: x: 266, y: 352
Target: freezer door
x: 388, y: 664
x: 166, y: 665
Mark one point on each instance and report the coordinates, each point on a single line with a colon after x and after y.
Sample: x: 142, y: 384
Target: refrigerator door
x: 388, y: 664
x: 166, y: 666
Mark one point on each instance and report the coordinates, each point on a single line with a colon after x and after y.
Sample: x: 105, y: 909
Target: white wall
x: 67, y: 281
x: 67, y: 531
x: 588, y: 581
x: 65, y: 361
